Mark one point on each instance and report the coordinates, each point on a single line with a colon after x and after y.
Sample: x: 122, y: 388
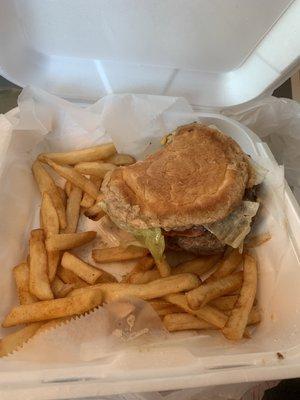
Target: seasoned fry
x: 237, y: 321
x: 119, y: 253
x: 144, y: 277
x: 207, y: 313
x: 21, y: 275
x: 73, y: 209
x: 227, y: 265
x: 63, y: 195
x: 69, y: 277
x: 15, y: 340
x: 61, y: 289
x: 224, y: 303
x: 74, y: 177
x: 49, y: 218
x: 121, y: 159
x: 88, y: 154
x: 88, y: 201
x: 39, y: 284
x: 47, y: 184
x: 50, y: 309
x: 66, y: 241
x: 197, y: 266
x: 163, y: 267
x: 99, y: 169
x: 184, y: 321
x: 151, y: 290
x: 258, y: 240
x: 68, y: 188
x: 84, y: 270
x: 211, y: 290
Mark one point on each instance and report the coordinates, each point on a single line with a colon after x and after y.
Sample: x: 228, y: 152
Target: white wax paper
x: 135, y: 123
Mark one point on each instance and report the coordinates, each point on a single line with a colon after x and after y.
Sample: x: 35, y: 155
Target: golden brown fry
x: 69, y: 277
x: 96, y: 209
x: 49, y: 218
x: 21, y: 275
x: 227, y: 265
x: 224, y: 303
x: 84, y: 270
x: 106, y: 277
x: 237, y: 321
x: 88, y: 201
x: 185, y: 321
x: 207, y: 313
x: 121, y: 159
x: 68, y: 188
x: 47, y: 184
x: 53, y: 261
x: 144, y: 277
x: 63, y: 195
x: 73, y: 209
x: 61, y: 289
x: 197, y: 266
x: 88, y: 154
x: 15, y: 340
x: 74, y: 177
x: 258, y: 240
x: 163, y: 267
x: 119, y: 253
x: 144, y: 264
x: 66, y: 241
x: 99, y: 169
x: 39, y: 284
x: 151, y: 290
x: 50, y: 309
x: 163, y: 307
x: 211, y: 290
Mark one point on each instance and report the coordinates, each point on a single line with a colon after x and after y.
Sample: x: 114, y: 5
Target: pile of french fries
x: 53, y: 284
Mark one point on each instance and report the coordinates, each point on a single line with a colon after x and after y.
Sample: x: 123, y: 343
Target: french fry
x: 227, y: 265
x: 73, y: 209
x: 224, y: 303
x: 98, y: 216
x: 148, y: 291
x: 50, y: 224
x: 119, y: 253
x: 50, y: 309
x: 184, y: 321
x: 237, y: 321
x: 96, y: 209
x: 121, y: 159
x: 197, y: 266
x: 106, y: 277
x: 94, y: 168
x: 163, y: 307
x: 144, y: 277
x: 88, y: 201
x: 21, y: 275
x: 84, y: 270
x: 68, y: 188
x: 144, y: 264
x: 63, y: 195
x: 15, y: 340
x: 258, y: 240
x: 74, y: 177
x: 163, y: 267
x: 99, y: 152
x: 39, y: 284
x: 69, y: 277
x: 253, y: 318
x: 66, y: 241
x: 211, y: 290
x: 47, y: 184
x: 207, y: 313
x: 60, y: 289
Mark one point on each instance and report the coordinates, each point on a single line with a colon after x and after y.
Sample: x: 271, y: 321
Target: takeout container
x: 216, y: 54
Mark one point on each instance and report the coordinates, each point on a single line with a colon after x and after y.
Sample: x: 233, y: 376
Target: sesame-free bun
x: 198, y: 178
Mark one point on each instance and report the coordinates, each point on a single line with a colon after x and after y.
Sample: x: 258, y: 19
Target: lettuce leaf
x: 233, y: 229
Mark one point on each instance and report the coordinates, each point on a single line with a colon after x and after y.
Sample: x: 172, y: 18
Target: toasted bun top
x: 198, y: 178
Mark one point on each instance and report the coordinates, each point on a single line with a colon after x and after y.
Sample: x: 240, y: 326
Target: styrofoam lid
x: 216, y: 53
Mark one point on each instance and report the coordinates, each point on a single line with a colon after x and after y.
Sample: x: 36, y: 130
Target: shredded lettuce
x: 233, y: 229
x: 151, y: 238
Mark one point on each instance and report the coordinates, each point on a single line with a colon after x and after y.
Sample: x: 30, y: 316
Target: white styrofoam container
x: 216, y: 54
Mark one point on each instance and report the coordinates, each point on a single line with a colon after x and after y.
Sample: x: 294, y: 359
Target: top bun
x: 198, y: 178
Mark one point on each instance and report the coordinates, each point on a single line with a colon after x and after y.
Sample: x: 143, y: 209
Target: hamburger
x: 197, y: 193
